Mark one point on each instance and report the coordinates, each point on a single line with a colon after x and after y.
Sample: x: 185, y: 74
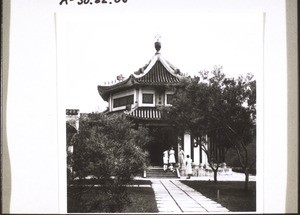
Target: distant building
x: 72, y: 125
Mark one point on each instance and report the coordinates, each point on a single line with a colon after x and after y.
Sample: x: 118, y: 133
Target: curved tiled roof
x: 146, y: 113
x: 104, y: 90
x: 158, y: 74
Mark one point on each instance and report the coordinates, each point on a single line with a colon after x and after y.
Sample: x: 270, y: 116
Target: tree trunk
x: 246, y: 186
x: 215, y: 175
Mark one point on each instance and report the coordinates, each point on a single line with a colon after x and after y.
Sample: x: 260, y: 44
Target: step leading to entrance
x: 158, y: 172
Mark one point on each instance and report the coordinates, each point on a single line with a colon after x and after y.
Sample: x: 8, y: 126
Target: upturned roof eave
x: 136, y: 79
x: 104, y: 91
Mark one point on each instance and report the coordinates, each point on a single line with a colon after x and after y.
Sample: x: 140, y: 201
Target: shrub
x: 109, y: 149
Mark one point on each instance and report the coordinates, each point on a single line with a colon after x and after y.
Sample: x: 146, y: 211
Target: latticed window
x: 170, y: 98
x: 123, y: 101
x: 147, y: 98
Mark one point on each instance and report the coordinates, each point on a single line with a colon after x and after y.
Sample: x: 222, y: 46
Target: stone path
x: 172, y: 196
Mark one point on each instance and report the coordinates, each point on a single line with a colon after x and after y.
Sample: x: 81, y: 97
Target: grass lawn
x: 232, y: 195
x: 142, y: 200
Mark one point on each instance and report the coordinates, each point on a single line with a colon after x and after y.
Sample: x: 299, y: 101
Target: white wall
x: 146, y: 90
x: 119, y: 95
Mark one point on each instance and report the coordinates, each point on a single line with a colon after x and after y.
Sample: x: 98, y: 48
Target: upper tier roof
x: 158, y: 72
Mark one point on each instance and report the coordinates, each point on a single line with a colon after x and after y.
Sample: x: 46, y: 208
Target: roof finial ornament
x: 157, y: 43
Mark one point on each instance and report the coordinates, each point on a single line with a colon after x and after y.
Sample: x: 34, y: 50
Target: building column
x: 196, y: 155
x: 187, y: 144
x: 136, y: 97
x: 179, y: 144
x: 192, y: 147
x: 110, y: 102
x: 139, y: 97
x: 203, y: 154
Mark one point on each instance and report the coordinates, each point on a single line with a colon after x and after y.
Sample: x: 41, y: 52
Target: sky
x: 97, y: 47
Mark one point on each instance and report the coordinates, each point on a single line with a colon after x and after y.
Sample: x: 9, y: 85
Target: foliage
x: 142, y: 200
x: 70, y: 132
x: 222, y: 108
x: 232, y: 159
x: 108, y: 148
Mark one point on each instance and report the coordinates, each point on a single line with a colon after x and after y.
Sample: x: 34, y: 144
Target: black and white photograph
x: 127, y: 106
x: 160, y: 111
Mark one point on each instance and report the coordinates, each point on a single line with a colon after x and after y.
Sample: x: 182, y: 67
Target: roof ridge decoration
x: 157, y: 57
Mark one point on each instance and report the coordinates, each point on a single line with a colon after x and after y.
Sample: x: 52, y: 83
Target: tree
x: 222, y: 108
x: 238, y: 117
x: 108, y: 148
x: 191, y: 111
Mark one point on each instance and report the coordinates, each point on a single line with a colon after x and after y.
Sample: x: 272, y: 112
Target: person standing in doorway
x: 165, y: 160
x: 189, y: 170
x: 181, y: 157
x: 172, y: 160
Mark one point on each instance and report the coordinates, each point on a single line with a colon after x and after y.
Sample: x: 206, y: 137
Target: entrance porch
x: 163, y: 138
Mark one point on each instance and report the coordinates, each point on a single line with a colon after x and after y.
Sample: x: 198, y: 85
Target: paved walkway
x: 172, y: 196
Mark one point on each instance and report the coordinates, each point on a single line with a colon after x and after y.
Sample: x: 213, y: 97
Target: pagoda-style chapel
x: 139, y: 97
